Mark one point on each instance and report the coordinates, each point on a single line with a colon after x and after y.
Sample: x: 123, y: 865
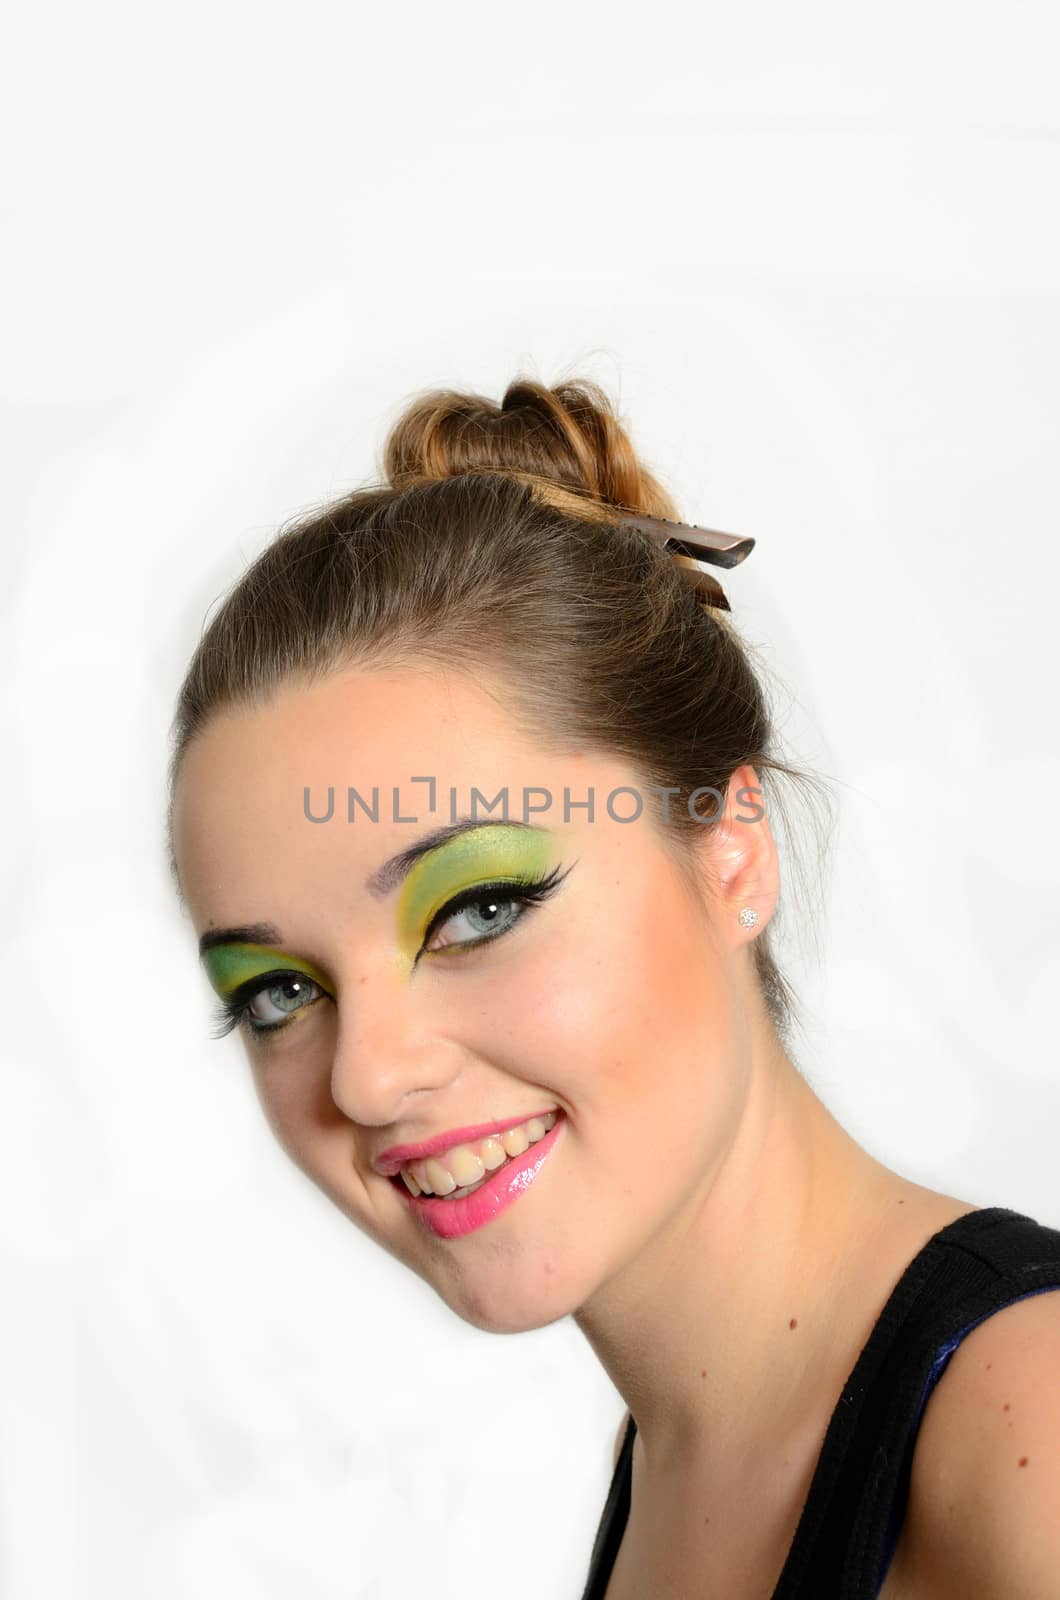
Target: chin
x: 496, y: 1309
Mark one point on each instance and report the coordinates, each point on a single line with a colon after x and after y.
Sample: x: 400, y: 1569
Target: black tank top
x: 849, y: 1527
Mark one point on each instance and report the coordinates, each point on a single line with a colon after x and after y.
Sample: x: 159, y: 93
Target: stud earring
x: 748, y: 917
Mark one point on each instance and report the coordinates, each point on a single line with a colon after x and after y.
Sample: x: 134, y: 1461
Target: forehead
x: 362, y: 728
x: 240, y: 799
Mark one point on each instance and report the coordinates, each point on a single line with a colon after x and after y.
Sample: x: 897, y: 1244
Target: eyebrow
x: 252, y: 933
x: 381, y: 882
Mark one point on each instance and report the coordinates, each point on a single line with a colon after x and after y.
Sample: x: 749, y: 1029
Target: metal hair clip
x: 692, y: 548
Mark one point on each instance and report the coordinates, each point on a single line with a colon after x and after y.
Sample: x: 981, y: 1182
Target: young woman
x: 471, y: 790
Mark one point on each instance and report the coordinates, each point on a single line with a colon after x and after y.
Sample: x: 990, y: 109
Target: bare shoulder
x: 983, y: 1518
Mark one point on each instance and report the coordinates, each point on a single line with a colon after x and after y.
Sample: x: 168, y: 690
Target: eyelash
x: 520, y: 891
x: 233, y: 1012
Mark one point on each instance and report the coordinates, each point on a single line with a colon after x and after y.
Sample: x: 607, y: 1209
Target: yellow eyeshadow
x: 481, y: 855
x: 230, y: 965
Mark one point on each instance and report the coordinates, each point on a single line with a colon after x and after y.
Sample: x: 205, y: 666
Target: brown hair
x: 494, y: 542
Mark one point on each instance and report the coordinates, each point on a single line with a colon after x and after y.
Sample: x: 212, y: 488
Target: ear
x: 742, y: 853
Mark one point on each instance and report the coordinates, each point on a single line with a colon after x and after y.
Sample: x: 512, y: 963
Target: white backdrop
x: 815, y: 254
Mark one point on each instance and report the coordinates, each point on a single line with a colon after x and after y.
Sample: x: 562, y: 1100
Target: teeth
x: 462, y: 1169
x: 515, y: 1141
x: 465, y: 1166
x: 493, y: 1153
x: 459, y: 1194
x: 440, y: 1181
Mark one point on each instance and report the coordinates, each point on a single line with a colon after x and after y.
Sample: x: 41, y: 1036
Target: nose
x: 385, y: 1050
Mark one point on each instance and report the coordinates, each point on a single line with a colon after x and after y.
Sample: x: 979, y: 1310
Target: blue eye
x: 266, y: 1003
x: 487, y: 909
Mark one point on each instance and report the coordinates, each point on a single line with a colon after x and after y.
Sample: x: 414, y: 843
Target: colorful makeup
x: 240, y: 971
x: 496, y: 863
x: 492, y: 856
x: 230, y: 966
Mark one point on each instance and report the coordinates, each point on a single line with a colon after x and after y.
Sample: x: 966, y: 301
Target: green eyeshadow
x: 228, y: 966
x: 495, y: 852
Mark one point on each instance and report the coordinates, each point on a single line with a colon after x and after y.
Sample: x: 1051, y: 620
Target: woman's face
x: 616, y: 1001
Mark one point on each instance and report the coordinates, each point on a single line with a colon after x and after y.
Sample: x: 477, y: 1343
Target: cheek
x: 621, y: 997
x: 650, y: 1028
x: 302, y: 1114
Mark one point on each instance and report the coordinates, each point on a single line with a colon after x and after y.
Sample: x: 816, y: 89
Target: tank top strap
x: 976, y: 1265
x: 613, y: 1519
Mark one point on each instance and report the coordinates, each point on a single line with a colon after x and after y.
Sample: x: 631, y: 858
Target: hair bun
x: 568, y: 439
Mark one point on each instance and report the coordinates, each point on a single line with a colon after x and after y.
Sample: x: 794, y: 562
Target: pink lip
x: 389, y: 1161
x: 451, y: 1219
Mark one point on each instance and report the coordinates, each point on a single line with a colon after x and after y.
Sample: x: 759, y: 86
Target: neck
x: 734, y: 1331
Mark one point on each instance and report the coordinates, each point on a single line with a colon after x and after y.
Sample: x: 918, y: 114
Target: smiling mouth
x: 458, y: 1172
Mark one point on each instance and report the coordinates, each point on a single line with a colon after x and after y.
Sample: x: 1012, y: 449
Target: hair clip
x: 692, y: 548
